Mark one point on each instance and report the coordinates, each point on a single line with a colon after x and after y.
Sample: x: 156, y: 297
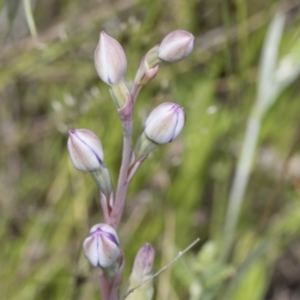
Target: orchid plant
x: 163, y: 125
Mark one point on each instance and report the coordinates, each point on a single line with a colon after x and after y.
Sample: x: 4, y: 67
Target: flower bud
x: 165, y: 123
x: 141, y: 272
x: 176, y: 46
x: 102, y: 246
x: 85, y: 150
x: 149, y: 75
x: 143, y: 263
x: 148, y: 67
x: 110, y: 60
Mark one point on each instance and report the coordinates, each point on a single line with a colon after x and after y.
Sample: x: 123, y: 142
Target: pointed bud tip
x: 102, y: 32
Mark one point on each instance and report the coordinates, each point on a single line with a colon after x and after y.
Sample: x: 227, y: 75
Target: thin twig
x: 164, y: 268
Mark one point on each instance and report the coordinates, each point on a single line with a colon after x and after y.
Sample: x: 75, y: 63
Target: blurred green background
x: 48, y: 85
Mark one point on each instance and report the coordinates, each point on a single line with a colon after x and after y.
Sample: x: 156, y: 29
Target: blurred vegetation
x: 48, y: 84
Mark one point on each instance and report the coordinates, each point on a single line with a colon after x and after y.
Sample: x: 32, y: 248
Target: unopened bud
x: 176, y: 46
x: 141, y: 272
x: 149, y: 75
x: 102, y: 246
x: 148, y: 67
x: 165, y: 123
x: 143, y: 263
x: 110, y: 60
x: 85, y: 150
x: 86, y: 154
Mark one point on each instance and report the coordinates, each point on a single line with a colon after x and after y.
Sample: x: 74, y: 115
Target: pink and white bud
x: 165, y: 123
x: 102, y: 246
x: 176, y: 46
x: 149, y: 75
x: 143, y: 263
x: 142, y: 272
x: 110, y: 60
x: 85, y: 150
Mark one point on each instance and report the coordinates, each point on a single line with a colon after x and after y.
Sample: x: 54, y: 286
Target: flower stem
x: 135, y: 91
x: 118, y: 208
x: 126, y: 115
x: 104, y: 287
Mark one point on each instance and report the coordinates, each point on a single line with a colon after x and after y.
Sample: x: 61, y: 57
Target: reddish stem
x: 126, y: 115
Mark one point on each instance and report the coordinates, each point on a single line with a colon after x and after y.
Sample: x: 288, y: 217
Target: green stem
x: 240, y: 181
x: 29, y: 18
